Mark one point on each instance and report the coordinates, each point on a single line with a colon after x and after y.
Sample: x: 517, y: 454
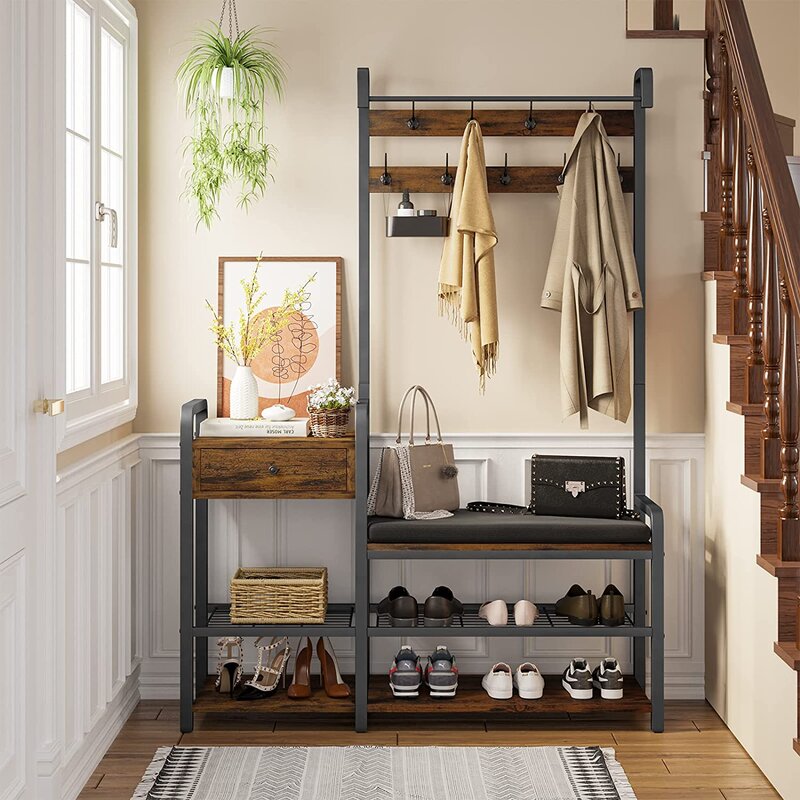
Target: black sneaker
x: 441, y: 673
x: 405, y: 675
x: 607, y: 677
x: 577, y: 679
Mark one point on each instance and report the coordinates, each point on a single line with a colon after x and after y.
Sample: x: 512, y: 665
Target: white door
x: 29, y: 222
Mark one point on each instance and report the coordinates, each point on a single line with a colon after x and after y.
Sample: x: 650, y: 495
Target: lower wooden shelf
x: 471, y: 700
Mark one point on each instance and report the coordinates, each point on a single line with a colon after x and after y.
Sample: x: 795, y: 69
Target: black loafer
x: 579, y: 606
x: 612, y: 606
x: 401, y: 608
x: 440, y: 608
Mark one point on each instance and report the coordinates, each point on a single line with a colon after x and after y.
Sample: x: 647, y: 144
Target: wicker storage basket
x: 274, y: 596
x: 330, y: 423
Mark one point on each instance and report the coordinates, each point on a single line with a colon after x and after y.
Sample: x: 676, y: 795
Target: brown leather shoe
x: 331, y: 677
x: 612, y: 606
x: 300, y: 687
x: 579, y: 606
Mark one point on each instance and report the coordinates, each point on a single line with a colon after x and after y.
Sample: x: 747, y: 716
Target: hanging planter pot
x: 225, y: 81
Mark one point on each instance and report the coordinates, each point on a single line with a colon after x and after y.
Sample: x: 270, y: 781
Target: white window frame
x: 103, y: 407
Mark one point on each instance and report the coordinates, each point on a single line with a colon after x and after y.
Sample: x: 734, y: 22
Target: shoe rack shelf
x: 470, y: 624
x: 338, y: 622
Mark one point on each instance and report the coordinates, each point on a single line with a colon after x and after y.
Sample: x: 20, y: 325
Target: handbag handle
x: 429, y: 405
x: 412, y: 389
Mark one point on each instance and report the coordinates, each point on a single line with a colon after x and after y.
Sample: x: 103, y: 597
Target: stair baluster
x: 789, y: 521
x: 755, y: 283
x: 739, y: 210
x: 770, y: 435
x: 726, y: 138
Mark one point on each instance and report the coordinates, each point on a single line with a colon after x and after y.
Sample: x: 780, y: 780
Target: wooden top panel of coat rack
x: 493, y: 122
x: 524, y: 180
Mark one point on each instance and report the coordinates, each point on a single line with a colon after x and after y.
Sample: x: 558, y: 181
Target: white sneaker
x: 525, y: 612
x: 577, y: 679
x: 494, y: 612
x: 529, y: 681
x: 498, y: 682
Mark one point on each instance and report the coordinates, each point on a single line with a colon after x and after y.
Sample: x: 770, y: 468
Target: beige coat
x: 592, y: 279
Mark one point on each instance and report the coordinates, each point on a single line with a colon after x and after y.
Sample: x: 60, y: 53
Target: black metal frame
x: 200, y: 619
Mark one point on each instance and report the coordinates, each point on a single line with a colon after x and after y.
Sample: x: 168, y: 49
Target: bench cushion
x: 480, y: 528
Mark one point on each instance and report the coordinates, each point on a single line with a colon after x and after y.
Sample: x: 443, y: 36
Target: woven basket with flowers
x: 329, y: 407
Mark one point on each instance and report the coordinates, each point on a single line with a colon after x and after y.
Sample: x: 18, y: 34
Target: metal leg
x: 362, y: 579
x: 639, y: 619
x: 657, y: 624
x: 186, y: 573
x: 201, y: 591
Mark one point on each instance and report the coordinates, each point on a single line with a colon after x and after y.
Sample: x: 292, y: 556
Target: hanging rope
x: 233, y: 18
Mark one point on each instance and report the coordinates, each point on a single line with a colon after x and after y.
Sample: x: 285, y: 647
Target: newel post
x: 726, y: 137
x: 739, y: 216
x: 755, y: 283
x: 712, y: 106
x: 789, y: 521
x: 770, y: 435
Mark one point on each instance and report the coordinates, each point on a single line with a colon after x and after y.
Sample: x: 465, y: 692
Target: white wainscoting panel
x: 496, y: 467
x: 12, y: 687
x: 92, y: 591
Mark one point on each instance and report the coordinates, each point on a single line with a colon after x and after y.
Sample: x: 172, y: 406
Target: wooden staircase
x: 752, y: 254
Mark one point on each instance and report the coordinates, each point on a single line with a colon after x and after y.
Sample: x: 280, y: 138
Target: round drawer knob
x: 273, y: 470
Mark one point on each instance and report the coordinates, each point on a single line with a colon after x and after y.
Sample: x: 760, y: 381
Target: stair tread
x: 718, y: 275
x: 759, y: 484
x: 777, y: 567
x: 733, y: 339
x: 745, y: 409
x: 789, y: 652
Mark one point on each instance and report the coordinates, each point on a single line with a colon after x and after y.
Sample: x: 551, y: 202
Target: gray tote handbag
x: 415, y: 481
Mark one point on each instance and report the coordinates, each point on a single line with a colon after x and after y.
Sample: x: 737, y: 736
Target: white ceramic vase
x: 244, y: 394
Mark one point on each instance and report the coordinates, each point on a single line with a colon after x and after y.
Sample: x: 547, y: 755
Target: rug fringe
x: 151, y: 773
x: 617, y: 773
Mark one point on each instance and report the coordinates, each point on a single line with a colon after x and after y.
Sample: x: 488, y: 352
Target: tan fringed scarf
x: 466, y: 275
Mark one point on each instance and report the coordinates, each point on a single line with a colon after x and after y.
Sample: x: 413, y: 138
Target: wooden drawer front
x: 277, y: 472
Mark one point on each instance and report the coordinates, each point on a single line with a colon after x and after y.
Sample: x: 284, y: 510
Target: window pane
x: 79, y: 327
x: 79, y: 200
x: 78, y: 69
x: 113, y: 92
x: 113, y: 328
x: 111, y: 192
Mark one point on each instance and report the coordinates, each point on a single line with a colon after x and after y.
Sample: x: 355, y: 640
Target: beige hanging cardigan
x: 592, y: 279
x: 466, y: 275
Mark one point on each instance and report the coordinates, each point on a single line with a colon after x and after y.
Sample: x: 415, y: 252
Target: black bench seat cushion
x: 481, y: 528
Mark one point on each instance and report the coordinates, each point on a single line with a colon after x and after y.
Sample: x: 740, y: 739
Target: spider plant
x: 227, y: 142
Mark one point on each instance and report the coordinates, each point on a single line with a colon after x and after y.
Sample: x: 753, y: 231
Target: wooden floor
x: 696, y: 757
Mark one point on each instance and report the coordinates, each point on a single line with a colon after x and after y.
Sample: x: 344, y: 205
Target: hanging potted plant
x: 224, y: 81
x: 242, y: 341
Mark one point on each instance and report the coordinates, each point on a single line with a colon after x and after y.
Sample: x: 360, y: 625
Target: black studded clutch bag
x: 578, y: 486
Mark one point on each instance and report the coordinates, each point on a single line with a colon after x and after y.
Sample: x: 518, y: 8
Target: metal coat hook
x: 413, y: 122
x: 590, y: 108
x: 447, y: 178
x: 505, y: 178
x: 386, y: 178
x: 530, y: 123
x: 471, y: 111
x: 560, y: 178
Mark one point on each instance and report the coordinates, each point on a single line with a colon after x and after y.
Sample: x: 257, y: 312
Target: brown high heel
x: 329, y: 670
x: 300, y: 687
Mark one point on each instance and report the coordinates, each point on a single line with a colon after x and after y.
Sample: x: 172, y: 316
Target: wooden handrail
x: 780, y: 197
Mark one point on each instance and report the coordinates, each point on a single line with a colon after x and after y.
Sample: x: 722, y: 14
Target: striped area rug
x: 384, y: 773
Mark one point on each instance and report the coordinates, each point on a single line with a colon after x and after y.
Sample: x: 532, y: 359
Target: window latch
x: 100, y: 212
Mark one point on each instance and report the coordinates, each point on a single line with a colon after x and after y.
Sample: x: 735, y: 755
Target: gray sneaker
x: 405, y: 675
x: 577, y: 679
x: 441, y: 673
x: 607, y: 677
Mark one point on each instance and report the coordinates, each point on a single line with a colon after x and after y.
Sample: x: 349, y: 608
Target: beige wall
x: 547, y: 46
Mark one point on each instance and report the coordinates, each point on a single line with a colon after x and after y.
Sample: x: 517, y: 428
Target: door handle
x: 100, y: 212
x: 50, y: 407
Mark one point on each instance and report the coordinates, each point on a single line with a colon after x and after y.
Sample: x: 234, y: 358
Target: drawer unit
x: 273, y: 468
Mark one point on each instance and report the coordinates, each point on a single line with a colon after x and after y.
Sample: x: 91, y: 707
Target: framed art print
x: 308, y: 349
